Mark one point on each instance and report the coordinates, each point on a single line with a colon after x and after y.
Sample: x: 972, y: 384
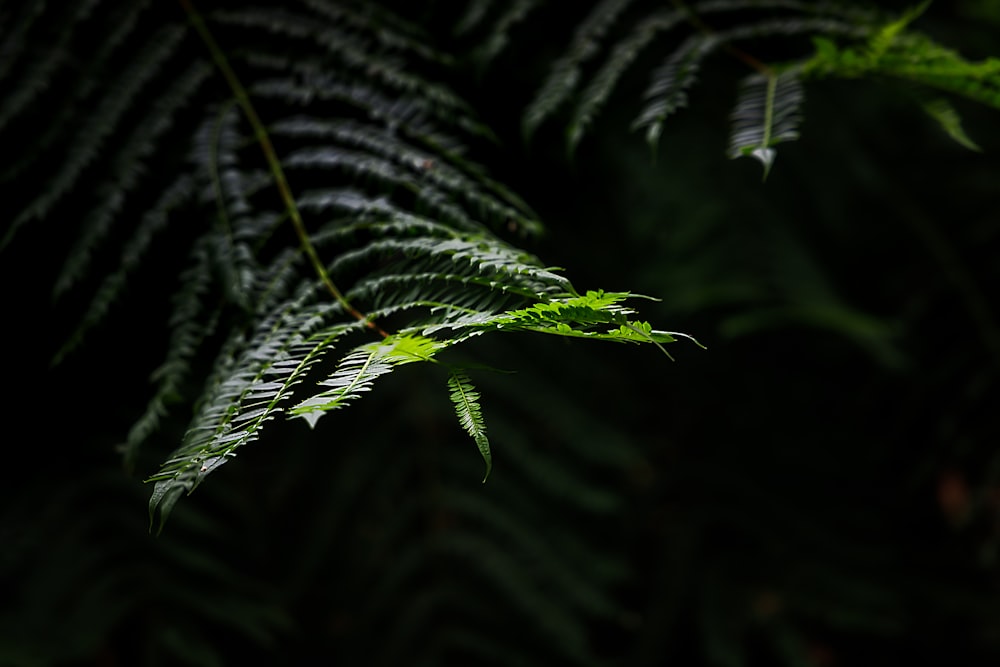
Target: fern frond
x: 364, y: 155
x: 445, y: 295
x: 910, y: 56
x: 412, y: 112
x: 850, y: 42
x: 465, y: 398
x: 599, y: 90
x: 125, y: 177
x: 216, y: 154
x: 18, y: 31
x: 357, y: 371
x: 883, y: 39
x: 597, y: 315
x: 767, y: 113
x: 475, y: 13
x: 668, y: 90
x: 414, y: 168
x: 83, y: 89
x: 97, y: 127
x: 153, y: 222
x: 247, y: 396
x: 43, y: 65
x: 354, y: 52
x: 360, y: 214
x: 389, y: 30
x: 499, y: 35
x: 669, y: 85
x: 369, y: 168
x: 942, y: 110
x: 236, y: 265
x: 566, y: 71
x: 575, y: 544
x: 188, y: 331
x: 408, y: 588
x: 467, y: 255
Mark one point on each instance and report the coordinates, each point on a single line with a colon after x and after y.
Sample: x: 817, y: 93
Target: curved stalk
x: 260, y: 133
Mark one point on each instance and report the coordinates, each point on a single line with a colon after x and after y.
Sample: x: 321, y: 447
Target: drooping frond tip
x: 767, y: 113
x: 465, y: 400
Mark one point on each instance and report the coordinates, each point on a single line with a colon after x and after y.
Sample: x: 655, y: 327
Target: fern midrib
x: 260, y: 133
x: 772, y: 85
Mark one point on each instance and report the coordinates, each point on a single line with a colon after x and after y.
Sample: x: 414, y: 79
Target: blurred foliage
x: 818, y: 488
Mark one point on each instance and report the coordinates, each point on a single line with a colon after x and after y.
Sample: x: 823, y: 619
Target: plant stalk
x: 260, y: 133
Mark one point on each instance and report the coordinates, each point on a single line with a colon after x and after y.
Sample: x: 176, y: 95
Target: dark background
x: 817, y: 487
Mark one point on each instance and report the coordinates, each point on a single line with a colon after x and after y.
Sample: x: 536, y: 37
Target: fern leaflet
x: 247, y: 394
x: 358, y: 371
x: 465, y: 398
x: 566, y: 72
x: 766, y: 114
x: 941, y: 110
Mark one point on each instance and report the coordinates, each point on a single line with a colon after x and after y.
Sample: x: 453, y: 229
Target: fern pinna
x: 799, y: 42
x: 365, y: 239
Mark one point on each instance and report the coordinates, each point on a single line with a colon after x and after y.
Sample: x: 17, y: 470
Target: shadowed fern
x: 290, y: 205
x: 466, y: 400
x: 847, y: 42
x: 766, y: 114
x: 364, y: 159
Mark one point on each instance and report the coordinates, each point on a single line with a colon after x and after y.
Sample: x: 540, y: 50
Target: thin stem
x: 706, y: 29
x: 260, y: 133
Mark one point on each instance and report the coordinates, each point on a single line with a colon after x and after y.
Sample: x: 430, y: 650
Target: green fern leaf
x: 357, y: 372
x: 597, y: 314
x: 83, y: 87
x: 475, y: 13
x: 97, y: 127
x: 144, y: 141
x: 416, y: 168
x: 499, y: 37
x: 386, y: 28
x: 188, y: 332
x: 153, y: 222
x: 465, y: 398
x: 884, y: 39
x: 947, y: 117
x: 247, y: 393
x: 599, y: 90
x: 466, y: 255
x: 390, y: 209
x: 439, y: 190
x: 668, y: 90
x: 892, y: 50
x: 44, y: 63
x: 766, y: 114
x: 354, y: 51
x: 408, y: 114
x: 566, y: 71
